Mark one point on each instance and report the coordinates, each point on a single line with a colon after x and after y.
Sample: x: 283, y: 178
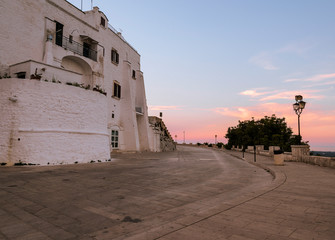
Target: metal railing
x: 79, y: 48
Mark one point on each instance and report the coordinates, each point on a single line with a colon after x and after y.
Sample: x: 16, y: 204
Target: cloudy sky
x: 209, y: 63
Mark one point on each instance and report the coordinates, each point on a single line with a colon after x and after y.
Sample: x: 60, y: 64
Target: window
x: 134, y: 74
x: 71, y: 39
x: 103, y: 22
x: 86, y: 49
x: 59, y: 34
x: 21, y: 75
x: 117, y: 90
x: 115, y: 56
x: 115, y: 139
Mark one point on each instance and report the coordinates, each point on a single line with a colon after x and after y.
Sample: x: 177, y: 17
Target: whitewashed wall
x: 25, y: 39
x: 49, y: 123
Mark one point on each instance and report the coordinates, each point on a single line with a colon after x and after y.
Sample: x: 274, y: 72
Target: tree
x: 268, y: 131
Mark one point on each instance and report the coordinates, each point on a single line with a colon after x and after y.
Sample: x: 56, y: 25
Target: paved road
x: 192, y: 193
x: 132, y: 194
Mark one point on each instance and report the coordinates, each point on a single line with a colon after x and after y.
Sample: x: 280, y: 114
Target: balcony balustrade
x: 78, y: 48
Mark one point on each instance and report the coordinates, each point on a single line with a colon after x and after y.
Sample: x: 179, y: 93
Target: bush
x: 219, y: 144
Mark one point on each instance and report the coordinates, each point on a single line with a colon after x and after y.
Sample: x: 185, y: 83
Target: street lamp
x: 298, y: 106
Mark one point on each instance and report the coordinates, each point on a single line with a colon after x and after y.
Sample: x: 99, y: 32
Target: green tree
x: 268, y: 131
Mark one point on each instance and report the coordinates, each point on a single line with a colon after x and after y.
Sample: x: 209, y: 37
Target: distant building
x: 72, y: 89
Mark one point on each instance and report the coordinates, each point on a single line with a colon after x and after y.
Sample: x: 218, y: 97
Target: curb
x: 279, y: 177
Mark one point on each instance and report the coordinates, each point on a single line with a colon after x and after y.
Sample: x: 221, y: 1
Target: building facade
x: 71, y: 87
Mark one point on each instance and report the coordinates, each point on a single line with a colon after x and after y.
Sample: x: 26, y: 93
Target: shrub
x: 219, y: 144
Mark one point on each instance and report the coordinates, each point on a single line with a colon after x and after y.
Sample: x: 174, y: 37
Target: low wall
x: 49, y: 73
x: 51, y: 123
x: 320, y: 161
x: 159, y: 136
x: 314, y: 160
x: 300, y: 153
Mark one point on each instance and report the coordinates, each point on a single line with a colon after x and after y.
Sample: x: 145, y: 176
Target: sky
x: 209, y: 63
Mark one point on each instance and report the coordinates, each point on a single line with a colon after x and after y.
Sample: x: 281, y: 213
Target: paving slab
x: 192, y: 193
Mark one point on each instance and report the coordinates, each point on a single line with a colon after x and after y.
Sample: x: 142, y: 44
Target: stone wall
x: 51, y: 123
x: 29, y: 43
x: 320, y: 161
x: 300, y: 153
x: 160, y: 137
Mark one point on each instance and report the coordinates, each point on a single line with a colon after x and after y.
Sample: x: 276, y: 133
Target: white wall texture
x: 56, y: 122
x: 43, y: 122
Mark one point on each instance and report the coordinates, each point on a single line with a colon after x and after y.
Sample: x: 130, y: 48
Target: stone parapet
x: 299, y: 152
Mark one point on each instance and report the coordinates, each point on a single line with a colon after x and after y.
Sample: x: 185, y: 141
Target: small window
x: 70, y: 39
x: 117, y: 90
x: 103, y: 22
x: 115, y: 139
x: 21, y: 74
x: 115, y: 56
x: 134, y: 74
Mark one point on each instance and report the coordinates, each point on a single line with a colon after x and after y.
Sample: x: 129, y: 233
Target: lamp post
x: 298, y: 106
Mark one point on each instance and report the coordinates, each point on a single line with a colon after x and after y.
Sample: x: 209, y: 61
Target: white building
x: 75, y: 91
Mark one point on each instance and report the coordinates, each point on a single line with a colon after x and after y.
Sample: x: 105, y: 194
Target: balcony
x: 78, y: 48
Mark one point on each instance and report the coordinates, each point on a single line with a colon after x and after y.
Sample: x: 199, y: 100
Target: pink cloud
x: 254, y: 93
x: 290, y: 95
x: 238, y: 112
x: 201, y: 125
x: 320, y: 77
x: 277, y: 95
x: 317, y: 126
x: 321, y: 84
x: 315, y: 78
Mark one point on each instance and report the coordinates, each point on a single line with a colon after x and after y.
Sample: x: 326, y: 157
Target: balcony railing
x: 78, y: 48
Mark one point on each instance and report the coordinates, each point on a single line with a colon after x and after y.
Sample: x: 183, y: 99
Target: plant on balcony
x: 97, y: 88
x: 5, y: 76
x: 76, y: 84
x: 36, y: 75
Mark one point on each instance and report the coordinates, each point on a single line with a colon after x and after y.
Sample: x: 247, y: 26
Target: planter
x: 278, y: 157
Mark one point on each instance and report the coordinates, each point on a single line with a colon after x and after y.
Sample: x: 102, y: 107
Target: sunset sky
x: 209, y: 63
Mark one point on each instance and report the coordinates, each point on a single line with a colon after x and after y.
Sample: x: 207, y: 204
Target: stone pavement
x: 192, y: 193
x: 301, y: 207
